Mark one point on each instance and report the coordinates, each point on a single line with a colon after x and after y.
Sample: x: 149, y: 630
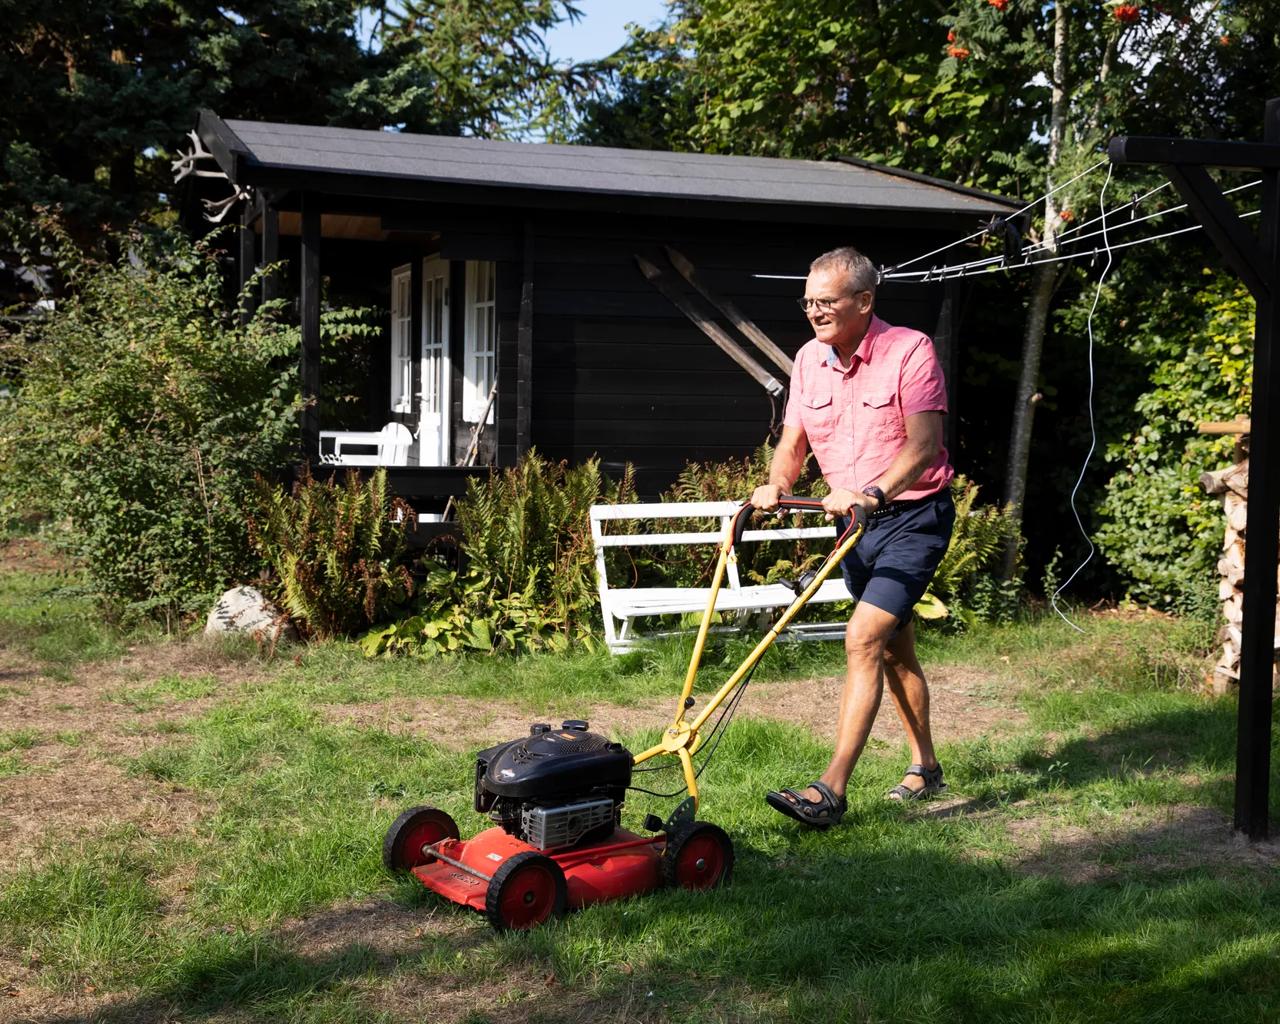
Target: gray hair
x: 860, y: 271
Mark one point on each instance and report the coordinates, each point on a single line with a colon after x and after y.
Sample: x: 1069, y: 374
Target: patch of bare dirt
x: 69, y: 784
x: 30, y: 554
x: 43, y: 812
x: 965, y: 703
x: 458, y: 723
x: 1143, y: 843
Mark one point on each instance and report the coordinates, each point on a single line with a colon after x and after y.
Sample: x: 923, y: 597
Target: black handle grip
x: 790, y: 503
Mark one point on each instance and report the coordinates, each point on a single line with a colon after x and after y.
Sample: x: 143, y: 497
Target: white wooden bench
x: 621, y: 606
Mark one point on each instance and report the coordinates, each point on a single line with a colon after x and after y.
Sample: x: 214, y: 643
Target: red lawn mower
x: 556, y: 796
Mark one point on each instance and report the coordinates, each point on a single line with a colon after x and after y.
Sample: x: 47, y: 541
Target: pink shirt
x: 854, y: 419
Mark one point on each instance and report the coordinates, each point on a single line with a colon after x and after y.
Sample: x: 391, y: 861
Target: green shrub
x: 968, y: 579
x: 1159, y: 528
x: 335, y: 549
x: 143, y: 409
x: 529, y: 583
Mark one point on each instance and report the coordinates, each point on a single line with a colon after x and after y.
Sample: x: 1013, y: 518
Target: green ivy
x: 1159, y: 528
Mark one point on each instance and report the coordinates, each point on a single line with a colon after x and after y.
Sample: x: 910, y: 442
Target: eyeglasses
x: 822, y: 305
x: 827, y: 305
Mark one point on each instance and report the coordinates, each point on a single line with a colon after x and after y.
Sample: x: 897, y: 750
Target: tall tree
x: 100, y: 92
x: 474, y: 67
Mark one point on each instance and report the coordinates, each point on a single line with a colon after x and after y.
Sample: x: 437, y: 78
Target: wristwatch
x: 873, y: 491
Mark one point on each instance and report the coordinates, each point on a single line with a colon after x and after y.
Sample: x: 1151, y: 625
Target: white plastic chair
x: 386, y: 447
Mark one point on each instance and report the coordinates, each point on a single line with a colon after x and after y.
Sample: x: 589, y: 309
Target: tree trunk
x: 1015, y: 486
x: 1024, y: 407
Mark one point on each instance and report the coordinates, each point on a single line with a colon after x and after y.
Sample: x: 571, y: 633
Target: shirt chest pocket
x: 881, y: 417
x: 818, y: 415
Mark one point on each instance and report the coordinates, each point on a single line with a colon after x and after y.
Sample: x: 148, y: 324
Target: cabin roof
x: 359, y: 161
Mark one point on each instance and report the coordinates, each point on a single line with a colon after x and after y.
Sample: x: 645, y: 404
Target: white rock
x: 245, y: 610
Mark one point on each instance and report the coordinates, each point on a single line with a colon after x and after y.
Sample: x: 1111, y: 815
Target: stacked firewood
x: 1232, y: 483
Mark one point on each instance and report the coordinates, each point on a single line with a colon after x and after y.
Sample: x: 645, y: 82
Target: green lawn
x: 1083, y: 869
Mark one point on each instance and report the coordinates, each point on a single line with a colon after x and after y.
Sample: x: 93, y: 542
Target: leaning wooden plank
x: 1240, y: 426
x: 739, y: 319
x: 711, y: 329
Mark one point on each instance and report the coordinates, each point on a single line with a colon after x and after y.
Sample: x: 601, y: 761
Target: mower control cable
x: 713, y: 740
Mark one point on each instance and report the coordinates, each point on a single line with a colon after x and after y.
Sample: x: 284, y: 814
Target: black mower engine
x: 555, y: 787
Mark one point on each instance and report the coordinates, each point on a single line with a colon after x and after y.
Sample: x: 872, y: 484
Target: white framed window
x: 402, y: 340
x: 480, y: 340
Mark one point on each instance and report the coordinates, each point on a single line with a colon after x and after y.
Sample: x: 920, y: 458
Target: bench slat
x: 635, y: 540
x: 624, y: 605
x: 677, y: 601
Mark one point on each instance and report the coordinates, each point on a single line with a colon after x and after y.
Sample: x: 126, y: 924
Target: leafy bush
x: 968, y: 579
x: 528, y: 529
x: 335, y: 549
x: 1159, y: 528
x: 143, y: 409
x: 530, y: 577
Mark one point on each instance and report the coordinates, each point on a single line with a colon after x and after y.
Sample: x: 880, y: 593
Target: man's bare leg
x: 864, y: 644
x: 910, y: 693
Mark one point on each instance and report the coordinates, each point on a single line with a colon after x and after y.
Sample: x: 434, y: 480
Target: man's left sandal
x: 824, y: 812
x: 932, y: 784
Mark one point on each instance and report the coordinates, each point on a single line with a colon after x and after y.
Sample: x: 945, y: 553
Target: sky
x: 602, y: 27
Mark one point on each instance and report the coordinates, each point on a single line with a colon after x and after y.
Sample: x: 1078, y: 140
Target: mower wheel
x: 415, y: 828
x: 528, y: 890
x: 698, y: 855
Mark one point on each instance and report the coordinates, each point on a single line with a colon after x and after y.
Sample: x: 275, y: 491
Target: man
x: 869, y: 399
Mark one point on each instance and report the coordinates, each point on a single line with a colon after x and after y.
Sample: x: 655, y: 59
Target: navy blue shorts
x: 892, y: 564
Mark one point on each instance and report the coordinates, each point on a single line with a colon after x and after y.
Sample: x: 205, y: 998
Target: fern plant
x: 335, y: 549
x: 967, y: 584
x: 527, y: 529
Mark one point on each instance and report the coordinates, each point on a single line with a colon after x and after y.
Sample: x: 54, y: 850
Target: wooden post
x: 524, y: 349
x: 1257, y: 654
x: 944, y: 341
x: 248, y: 262
x: 270, y: 248
x: 1258, y: 264
x: 310, y: 316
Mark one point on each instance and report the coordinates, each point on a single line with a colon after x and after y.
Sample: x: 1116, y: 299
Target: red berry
x: 999, y: 5
x: 1067, y: 216
x: 951, y: 35
x: 1126, y: 14
x: 958, y: 52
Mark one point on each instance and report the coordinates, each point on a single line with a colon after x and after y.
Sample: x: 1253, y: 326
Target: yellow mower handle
x: 682, y: 738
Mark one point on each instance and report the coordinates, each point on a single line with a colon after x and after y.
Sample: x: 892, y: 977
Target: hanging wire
x: 975, y: 267
x: 893, y: 272
x: 983, y: 231
x: 1132, y: 204
x: 1093, y: 431
x: 1128, y: 223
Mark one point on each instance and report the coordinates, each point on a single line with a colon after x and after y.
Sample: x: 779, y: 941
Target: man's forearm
x: 904, y: 471
x: 785, y: 469
x: 916, y: 456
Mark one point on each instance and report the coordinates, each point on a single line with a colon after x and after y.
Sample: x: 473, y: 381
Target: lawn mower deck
x: 556, y: 796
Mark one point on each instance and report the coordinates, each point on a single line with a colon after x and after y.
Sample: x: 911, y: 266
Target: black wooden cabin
x: 516, y: 263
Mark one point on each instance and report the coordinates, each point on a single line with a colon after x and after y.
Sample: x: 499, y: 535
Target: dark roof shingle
x: 593, y: 169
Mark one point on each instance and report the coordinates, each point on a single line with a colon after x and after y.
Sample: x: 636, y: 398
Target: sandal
x: 932, y: 784
x: 824, y: 812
